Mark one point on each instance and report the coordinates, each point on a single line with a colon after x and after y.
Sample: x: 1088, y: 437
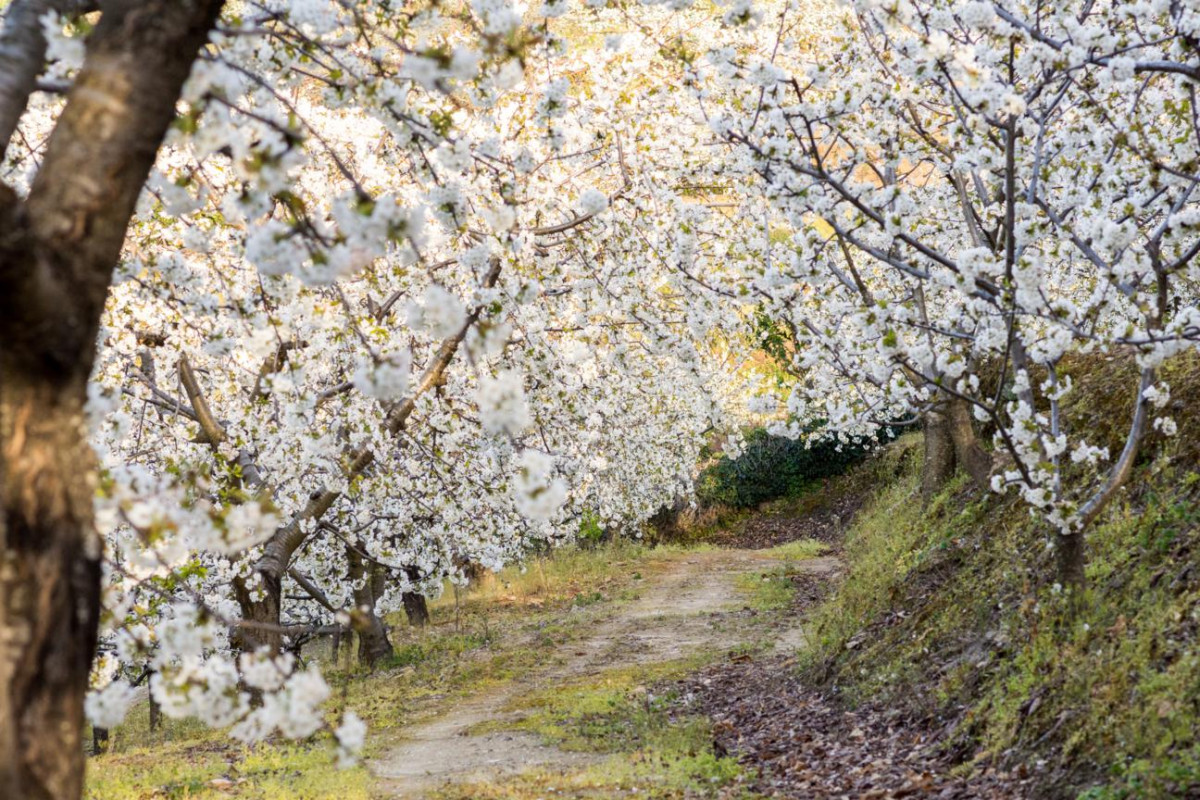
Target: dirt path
x: 673, y: 617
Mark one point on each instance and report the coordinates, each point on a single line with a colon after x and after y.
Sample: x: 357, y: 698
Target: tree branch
x: 23, y: 56
x: 212, y: 431
x: 1121, y: 470
x: 278, y: 552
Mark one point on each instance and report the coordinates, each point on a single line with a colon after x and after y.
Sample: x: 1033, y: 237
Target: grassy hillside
x: 950, y: 610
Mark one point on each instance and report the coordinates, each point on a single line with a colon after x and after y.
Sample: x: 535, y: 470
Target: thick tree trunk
x: 950, y: 443
x: 976, y: 461
x: 260, y: 624
x: 939, y: 452
x: 373, y: 642
x: 49, y: 585
x: 58, y: 250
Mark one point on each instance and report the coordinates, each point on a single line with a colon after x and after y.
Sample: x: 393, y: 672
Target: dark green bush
x: 775, y: 466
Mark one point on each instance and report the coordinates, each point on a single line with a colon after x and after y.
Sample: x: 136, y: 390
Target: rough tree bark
x: 950, y: 443
x: 968, y: 453
x: 261, y: 606
x: 415, y: 606
x: 58, y: 249
x: 416, y: 609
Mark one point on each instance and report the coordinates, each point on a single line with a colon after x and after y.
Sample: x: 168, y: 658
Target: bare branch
x: 1121, y: 470
x: 213, y: 433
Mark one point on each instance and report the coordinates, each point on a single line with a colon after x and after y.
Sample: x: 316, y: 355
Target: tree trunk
x: 415, y: 607
x: 260, y: 624
x: 976, y: 461
x: 155, y: 714
x: 939, y: 452
x: 373, y: 642
x: 1072, y: 561
x: 58, y: 249
x: 49, y: 585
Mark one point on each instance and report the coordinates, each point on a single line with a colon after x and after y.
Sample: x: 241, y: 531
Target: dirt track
x: 675, y: 616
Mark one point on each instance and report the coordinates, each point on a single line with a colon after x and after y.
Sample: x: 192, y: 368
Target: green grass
x: 630, y: 717
x: 799, y: 550
x: 266, y: 772
x: 772, y: 589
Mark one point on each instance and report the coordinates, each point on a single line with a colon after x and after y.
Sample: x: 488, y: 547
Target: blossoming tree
x: 350, y: 297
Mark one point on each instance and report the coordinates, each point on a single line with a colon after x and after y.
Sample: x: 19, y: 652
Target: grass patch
x: 799, y: 550
x: 774, y: 589
x: 266, y: 772
x: 630, y: 715
x: 558, y: 578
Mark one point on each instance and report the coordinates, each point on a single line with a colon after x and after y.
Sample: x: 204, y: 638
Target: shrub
x: 776, y: 466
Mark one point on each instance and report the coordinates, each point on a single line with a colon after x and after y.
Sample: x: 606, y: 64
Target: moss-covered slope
x: 951, y: 609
